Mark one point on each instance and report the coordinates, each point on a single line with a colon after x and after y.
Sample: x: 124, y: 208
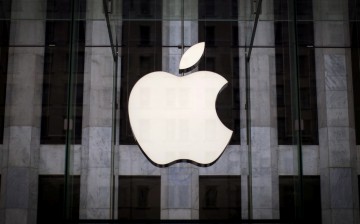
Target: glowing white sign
x: 174, y: 118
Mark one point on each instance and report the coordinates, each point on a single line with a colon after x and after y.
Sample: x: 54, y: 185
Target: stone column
x: 265, y: 186
x: 179, y: 182
x: 97, y: 118
x: 180, y: 192
x: 19, y: 180
x: 339, y: 191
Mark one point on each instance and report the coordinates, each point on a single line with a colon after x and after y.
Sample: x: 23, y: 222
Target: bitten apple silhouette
x: 174, y: 118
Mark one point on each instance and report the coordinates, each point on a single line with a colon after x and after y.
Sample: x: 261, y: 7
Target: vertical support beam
x: 117, y: 13
x: 19, y: 180
x: 179, y: 182
x: 265, y: 186
x: 244, y: 8
x: 95, y: 182
x: 339, y: 191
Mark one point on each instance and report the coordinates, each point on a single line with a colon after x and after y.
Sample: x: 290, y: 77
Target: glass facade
x: 219, y: 198
x: 306, y: 73
x: 51, y: 198
x: 4, y: 49
x: 67, y: 150
x: 141, y: 45
x: 56, y: 70
x: 139, y: 197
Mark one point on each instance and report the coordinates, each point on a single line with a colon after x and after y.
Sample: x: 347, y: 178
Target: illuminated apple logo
x: 174, y: 118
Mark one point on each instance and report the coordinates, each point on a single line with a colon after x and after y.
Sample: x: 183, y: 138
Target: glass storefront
x: 67, y: 149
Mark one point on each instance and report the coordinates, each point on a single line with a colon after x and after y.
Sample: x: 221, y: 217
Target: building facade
x: 67, y: 151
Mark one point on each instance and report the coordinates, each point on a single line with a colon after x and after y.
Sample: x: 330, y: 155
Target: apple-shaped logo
x: 174, y: 118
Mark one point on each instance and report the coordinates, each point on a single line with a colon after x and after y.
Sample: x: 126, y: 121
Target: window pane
x: 56, y: 75
x: 222, y: 57
x: 354, y: 12
x: 51, y: 198
x: 220, y: 197
x: 215, y: 9
x: 4, y: 52
x: 311, y: 200
x: 141, y: 53
x: 306, y: 72
x: 139, y: 197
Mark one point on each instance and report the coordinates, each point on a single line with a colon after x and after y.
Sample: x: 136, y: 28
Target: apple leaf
x: 192, y: 56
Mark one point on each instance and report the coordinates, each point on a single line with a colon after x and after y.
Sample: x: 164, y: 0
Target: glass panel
x: 222, y: 56
x: 42, y: 84
x: 359, y: 186
x: 312, y: 198
x: 141, y: 53
x: 4, y: 51
x: 139, y: 197
x: 74, y: 59
x: 56, y: 70
x: 51, y: 198
x: 307, y: 84
x: 219, y: 197
x: 354, y: 16
x: 152, y: 36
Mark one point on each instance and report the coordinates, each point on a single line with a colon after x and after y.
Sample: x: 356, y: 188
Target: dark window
x: 354, y: 14
x: 210, y: 35
x: 139, y: 197
x: 209, y: 8
x: 306, y: 72
x: 235, y: 36
x: 214, y: 9
x: 142, y: 9
x: 359, y: 188
x: 220, y: 197
x: 5, y: 6
x: 62, y: 9
x: 56, y: 73
x: 288, y: 191
x: 141, y: 54
x: 144, y: 35
x: 51, y: 198
x: 222, y: 56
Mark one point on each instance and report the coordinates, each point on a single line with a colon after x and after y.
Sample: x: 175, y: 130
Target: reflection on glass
x: 306, y: 71
x: 51, y: 198
x: 354, y: 16
x: 222, y: 57
x: 141, y: 52
x: 311, y: 200
x: 218, y: 10
x: 219, y: 197
x: 56, y: 72
x: 142, y: 9
x: 139, y: 197
x: 358, y: 186
x: 4, y: 52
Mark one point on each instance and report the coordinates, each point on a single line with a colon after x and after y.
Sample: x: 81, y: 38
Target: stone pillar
x: 265, y: 186
x: 179, y: 182
x: 339, y: 192
x: 19, y: 179
x: 180, y: 192
x: 97, y: 118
